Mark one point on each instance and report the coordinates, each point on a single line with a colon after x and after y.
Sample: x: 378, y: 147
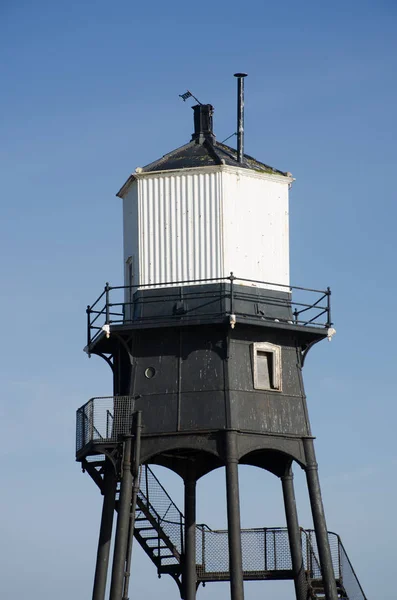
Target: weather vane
x: 187, y: 95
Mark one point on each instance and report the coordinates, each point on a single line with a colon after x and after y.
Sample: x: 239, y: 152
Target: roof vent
x: 203, y: 123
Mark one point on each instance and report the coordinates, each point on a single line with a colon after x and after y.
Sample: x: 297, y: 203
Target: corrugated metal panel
x: 204, y: 224
x: 256, y: 227
x: 180, y: 227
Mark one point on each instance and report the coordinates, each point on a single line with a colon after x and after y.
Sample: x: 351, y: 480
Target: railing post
x: 81, y: 419
x: 309, y: 554
x: 329, y: 322
x: 296, y: 315
x: 91, y: 420
x: 275, y: 550
x: 203, y: 549
x: 107, y: 290
x: 232, y: 278
x: 158, y: 543
x: 340, y: 559
x: 265, y: 534
x: 182, y: 538
x: 88, y: 311
x: 147, y: 485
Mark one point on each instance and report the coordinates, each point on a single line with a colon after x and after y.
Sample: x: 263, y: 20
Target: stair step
x: 154, y: 546
x: 147, y: 538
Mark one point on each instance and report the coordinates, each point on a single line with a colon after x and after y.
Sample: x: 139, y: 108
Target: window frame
x: 276, y: 365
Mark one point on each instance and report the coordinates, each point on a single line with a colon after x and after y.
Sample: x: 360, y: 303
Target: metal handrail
x: 94, y: 330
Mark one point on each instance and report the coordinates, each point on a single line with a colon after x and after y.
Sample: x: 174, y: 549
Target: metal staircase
x: 266, y: 554
x: 316, y: 589
x: 159, y: 525
x: 159, y: 529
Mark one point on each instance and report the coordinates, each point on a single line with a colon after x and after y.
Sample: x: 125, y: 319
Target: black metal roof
x: 202, y: 151
x: 205, y: 153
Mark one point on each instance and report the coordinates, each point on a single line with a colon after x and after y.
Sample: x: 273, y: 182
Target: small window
x: 150, y: 372
x: 267, y: 366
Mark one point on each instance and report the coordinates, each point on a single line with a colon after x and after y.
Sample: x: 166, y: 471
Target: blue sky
x: 89, y: 91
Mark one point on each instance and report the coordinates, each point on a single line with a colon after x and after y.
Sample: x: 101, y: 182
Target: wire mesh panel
x: 263, y: 550
x: 334, y: 541
x: 253, y: 550
x: 349, y: 579
x: 277, y: 552
x: 216, y: 556
x: 162, y: 508
x: 103, y: 419
x: 311, y: 558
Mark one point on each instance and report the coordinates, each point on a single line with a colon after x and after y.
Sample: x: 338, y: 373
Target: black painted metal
x: 294, y: 536
x: 123, y: 520
x: 202, y: 151
x: 155, y: 506
x: 135, y: 490
x: 189, y: 581
x: 233, y: 518
x: 240, y: 115
x: 207, y: 301
x: 320, y: 525
x: 105, y: 535
x: 203, y: 128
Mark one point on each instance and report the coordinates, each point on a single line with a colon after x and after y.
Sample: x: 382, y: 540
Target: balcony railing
x: 119, y: 305
x: 103, y: 420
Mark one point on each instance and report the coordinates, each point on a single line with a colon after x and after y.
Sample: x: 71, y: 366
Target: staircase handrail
x: 149, y: 503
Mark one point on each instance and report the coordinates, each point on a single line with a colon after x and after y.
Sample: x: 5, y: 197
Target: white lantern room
x: 198, y: 214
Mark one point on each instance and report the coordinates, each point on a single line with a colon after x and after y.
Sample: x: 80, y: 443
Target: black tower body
x: 207, y: 373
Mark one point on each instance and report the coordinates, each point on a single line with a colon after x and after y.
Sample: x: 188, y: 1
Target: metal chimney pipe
x: 240, y: 115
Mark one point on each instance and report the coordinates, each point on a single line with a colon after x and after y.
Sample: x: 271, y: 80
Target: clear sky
x: 89, y: 91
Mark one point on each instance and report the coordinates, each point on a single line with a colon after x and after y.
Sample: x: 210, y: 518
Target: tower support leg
x: 123, y: 520
x: 294, y: 536
x: 105, y: 534
x: 135, y: 490
x: 320, y: 525
x: 189, y: 573
x: 233, y: 518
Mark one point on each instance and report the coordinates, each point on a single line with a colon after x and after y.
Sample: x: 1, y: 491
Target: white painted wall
x: 205, y: 223
x: 179, y: 227
x: 255, y: 220
x: 131, y: 232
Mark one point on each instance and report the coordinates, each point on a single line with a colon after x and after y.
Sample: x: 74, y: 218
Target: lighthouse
x: 206, y: 341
